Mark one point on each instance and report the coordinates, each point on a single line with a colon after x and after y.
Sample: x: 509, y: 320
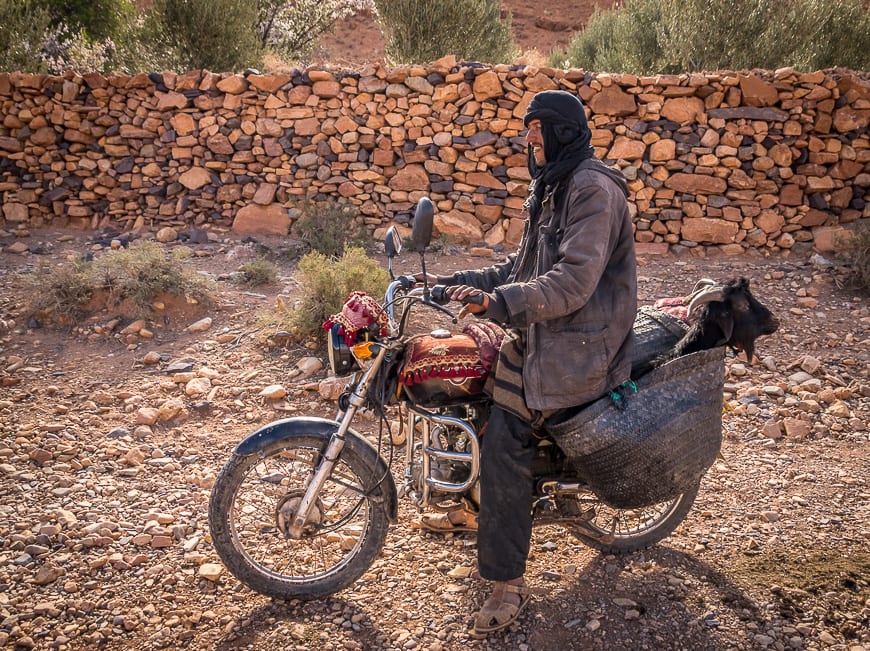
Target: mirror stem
x: 425, y: 277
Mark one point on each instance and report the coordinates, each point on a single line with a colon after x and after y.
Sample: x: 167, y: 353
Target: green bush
x: 419, y: 32
x: 98, y: 19
x: 259, y: 272
x: 218, y: 35
x: 326, y: 282
x: 329, y: 228
x: 24, y: 25
x: 656, y: 36
x: 139, y: 274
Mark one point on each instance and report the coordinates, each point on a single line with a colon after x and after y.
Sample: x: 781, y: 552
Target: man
x: 568, y: 300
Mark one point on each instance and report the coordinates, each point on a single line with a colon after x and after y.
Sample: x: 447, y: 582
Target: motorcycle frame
x: 359, y: 386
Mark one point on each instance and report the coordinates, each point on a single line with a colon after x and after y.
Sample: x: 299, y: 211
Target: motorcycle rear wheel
x: 621, y: 531
x: 254, y: 498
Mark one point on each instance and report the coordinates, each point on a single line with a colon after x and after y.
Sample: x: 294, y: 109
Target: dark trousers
x: 505, y: 521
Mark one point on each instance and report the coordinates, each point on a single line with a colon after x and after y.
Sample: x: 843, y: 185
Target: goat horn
x: 709, y: 295
x: 702, y: 285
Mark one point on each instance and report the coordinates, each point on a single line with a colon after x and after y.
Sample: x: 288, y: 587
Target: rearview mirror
x: 392, y: 242
x: 424, y: 215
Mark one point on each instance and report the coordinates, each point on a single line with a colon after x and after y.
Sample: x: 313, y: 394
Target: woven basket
x: 660, y: 444
x: 655, y: 333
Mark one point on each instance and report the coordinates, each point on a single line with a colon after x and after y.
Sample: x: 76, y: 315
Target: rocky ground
x: 110, y: 439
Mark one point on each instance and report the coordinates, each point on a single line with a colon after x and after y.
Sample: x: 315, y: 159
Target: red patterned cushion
x: 470, y: 354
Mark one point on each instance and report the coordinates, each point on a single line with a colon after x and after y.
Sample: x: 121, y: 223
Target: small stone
x: 200, y: 326
x: 151, y: 357
x: 810, y: 364
x: 273, y: 392
x: 167, y: 234
x: 211, y: 571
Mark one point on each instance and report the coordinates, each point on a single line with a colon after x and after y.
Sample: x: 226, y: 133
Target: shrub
x: 24, y: 25
x: 326, y: 282
x: 65, y: 291
x: 259, y: 272
x: 419, y: 32
x: 215, y: 34
x: 329, y: 228
x: 97, y: 19
x: 290, y: 28
x: 652, y: 36
x: 140, y: 274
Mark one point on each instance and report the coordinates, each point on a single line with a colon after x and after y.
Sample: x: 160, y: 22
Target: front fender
x: 274, y: 434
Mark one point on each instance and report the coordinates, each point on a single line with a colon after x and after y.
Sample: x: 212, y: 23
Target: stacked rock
x: 735, y: 160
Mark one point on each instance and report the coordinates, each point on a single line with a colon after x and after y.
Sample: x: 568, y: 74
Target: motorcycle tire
x: 253, y: 499
x: 621, y: 531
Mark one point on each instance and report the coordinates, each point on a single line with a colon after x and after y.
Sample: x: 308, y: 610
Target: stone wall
x: 734, y: 160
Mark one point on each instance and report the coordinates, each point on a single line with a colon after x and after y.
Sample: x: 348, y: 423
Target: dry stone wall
x: 734, y: 160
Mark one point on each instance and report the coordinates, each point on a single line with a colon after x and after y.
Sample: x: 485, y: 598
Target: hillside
x: 538, y: 28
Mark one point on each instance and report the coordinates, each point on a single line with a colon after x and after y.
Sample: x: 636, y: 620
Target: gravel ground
x: 103, y: 519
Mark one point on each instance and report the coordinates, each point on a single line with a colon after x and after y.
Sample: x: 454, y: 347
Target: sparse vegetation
x: 259, y: 272
x: 329, y: 228
x: 419, y: 32
x: 290, y: 28
x: 326, y: 282
x: 138, y: 275
x: 654, y: 36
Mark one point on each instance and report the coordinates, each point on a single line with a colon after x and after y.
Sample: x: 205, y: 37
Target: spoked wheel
x: 255, y: 499
x: 620, y: 531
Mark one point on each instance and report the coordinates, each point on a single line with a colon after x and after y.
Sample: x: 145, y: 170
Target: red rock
x: 233, y: 85
x: 705, y: 229
x: 254, y: 219
x: 487, y: 86
x: 410, y: 178
x: 195, y: 178
x: 613, y: 101
x: 682, y: 109
x: 696, y: 184
x: 458, y: 226
x: 270, y: 83
x: 757, y: 92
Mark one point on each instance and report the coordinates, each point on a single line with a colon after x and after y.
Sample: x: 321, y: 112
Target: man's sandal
x: 457, y: 521
x: 497, y: 613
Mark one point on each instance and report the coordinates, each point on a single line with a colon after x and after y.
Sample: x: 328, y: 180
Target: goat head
x: 739, y: 316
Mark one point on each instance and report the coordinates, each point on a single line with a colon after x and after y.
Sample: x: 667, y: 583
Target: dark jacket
x: 573, y: 287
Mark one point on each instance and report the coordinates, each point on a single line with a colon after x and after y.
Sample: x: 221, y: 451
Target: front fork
x: 335, y: 446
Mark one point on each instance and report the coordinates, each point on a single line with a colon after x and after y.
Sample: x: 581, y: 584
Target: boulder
x: 255, y: 219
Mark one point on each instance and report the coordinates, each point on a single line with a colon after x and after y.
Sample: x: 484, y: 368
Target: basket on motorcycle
x: 655, y: 333
x: 660, y: 444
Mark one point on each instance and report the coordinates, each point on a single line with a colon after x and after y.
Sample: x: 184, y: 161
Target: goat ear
x: 726, y: 323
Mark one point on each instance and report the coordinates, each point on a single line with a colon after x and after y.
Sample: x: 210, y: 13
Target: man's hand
x: 462, y: 292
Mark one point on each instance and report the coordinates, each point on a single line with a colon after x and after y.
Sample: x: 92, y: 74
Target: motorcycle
x: 303, y: 506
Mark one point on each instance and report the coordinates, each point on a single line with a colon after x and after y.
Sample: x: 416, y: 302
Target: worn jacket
x: 572, y: 285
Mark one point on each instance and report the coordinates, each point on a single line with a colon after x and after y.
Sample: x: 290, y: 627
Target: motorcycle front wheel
x: 256, y: 496
x: 621, y: 531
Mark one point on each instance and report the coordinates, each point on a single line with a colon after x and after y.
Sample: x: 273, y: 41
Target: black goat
x: 725, y: 315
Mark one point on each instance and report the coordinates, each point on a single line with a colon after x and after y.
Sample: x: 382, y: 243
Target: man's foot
x: 458, y: 520
x: 502, y: 608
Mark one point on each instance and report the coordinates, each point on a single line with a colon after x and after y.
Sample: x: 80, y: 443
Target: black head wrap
x: 566, y: 141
